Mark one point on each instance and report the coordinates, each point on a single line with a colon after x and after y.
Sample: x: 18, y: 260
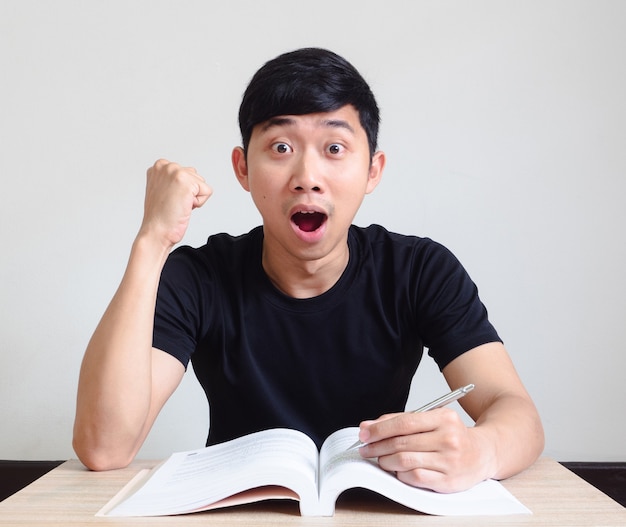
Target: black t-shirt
x: 267, y: 360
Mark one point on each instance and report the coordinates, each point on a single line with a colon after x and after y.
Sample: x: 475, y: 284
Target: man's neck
x: 305, y: 278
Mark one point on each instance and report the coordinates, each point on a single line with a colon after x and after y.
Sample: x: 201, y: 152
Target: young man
x: 306, y: 322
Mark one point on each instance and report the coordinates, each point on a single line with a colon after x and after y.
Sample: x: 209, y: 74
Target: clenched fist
x: 172, y: 192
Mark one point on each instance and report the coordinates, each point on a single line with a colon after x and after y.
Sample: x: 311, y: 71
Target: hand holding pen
x: 437, y: 403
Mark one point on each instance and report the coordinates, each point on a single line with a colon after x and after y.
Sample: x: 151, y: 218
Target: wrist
x: 149, y: 252
x: 148, y: 241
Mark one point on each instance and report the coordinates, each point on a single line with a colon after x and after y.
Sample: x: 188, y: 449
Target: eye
x: 335, y: 149
x: 281, y: 148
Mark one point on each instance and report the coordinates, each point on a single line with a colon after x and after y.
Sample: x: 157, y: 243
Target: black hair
x: 308, y: 80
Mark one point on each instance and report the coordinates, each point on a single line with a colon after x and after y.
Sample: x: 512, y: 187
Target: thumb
x: 203, y: 194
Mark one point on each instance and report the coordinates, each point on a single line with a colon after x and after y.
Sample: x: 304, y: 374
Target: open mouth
x: 308, y: 221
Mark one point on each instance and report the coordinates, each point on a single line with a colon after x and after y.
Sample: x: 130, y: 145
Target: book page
x: 194, y: 480
x: 341, y: 470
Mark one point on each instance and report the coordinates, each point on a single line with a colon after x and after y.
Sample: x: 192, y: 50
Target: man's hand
x: 172, y: 192
x: 433, y: 450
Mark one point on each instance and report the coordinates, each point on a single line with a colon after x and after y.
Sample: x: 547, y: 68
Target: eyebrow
x: 338, y: 123
x: 278, y: 121
x: 288, y: 121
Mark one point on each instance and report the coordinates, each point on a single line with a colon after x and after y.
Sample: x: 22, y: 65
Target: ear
x: 240, y: 166
x: 376, y: 171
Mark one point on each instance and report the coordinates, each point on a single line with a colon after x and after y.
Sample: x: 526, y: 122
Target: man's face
x: 308, y: 175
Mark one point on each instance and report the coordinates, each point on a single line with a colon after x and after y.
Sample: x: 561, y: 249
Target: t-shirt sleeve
x: 179, y: 306
x: 451, y: 317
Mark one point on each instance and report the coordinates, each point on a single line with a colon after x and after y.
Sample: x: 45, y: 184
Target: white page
x: 188, y: 481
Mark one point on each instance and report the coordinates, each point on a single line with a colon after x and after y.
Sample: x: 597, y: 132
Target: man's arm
x: 124, y: 382
x: 436, y: 450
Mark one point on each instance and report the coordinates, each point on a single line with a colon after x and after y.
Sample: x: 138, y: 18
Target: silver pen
x: 437, y: 403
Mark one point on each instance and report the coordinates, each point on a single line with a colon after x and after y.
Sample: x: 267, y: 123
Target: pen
x: 437, y: 403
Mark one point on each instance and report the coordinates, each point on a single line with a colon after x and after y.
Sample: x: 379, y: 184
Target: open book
x: 283, y: 463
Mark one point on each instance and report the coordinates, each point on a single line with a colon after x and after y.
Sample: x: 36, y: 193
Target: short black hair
x: 307, y: 80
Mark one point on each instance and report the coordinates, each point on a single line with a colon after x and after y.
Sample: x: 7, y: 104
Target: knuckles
x: 407, y: 461
x: 168, y: 171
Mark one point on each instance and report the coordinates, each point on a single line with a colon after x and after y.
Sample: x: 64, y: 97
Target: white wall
x: 504, y: 125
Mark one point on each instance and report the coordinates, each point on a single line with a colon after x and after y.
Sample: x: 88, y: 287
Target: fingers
x: 403, y: 435
x: 429, y: 479
x: 398, y: 426
x: 183, y: 176
x: 176, y: 177
x: 429, y: 449
x: 203, y: 193
x: 438, y: 477
x: 172, y: 192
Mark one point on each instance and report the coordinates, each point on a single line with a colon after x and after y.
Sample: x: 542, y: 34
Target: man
x: 306, y: 322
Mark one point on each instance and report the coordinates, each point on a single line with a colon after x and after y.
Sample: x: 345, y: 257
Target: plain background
x: 504, y: 123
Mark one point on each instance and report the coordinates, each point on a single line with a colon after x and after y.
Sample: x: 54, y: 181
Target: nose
x: 306, y: 174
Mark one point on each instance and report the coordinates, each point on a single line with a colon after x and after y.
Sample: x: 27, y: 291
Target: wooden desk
x: 71, y: 495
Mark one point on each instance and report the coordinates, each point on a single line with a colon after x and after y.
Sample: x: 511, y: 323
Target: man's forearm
x: 114, y: 393
x: 511, y: 435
